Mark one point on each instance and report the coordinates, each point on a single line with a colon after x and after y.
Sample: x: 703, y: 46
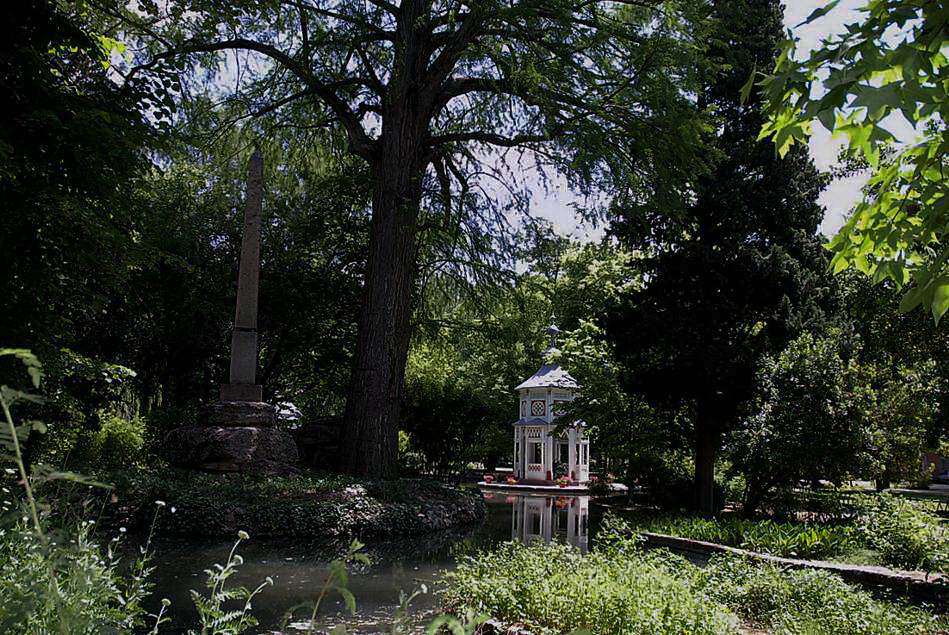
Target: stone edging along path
x: 929, y: 587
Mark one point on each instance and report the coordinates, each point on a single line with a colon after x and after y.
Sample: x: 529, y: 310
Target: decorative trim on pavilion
x: 556, y: 421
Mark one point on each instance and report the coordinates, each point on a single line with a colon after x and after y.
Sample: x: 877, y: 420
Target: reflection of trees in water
x: 397, y: 563
x: 432, y: 549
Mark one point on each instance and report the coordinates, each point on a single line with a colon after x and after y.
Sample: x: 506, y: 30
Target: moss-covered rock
x: 305, y: 507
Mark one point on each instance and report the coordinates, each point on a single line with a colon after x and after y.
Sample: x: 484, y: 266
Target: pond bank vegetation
x: 883, y: 530
x: 621, y: 588
x: 303, y: 507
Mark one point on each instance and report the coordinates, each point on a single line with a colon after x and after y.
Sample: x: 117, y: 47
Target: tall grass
x: 621, y: 588
x: 795, y: 540
x: 57, y: 579
x: 884, y: 528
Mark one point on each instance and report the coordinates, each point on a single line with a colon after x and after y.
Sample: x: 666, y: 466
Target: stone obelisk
x: 243, y: 384
x: 240, y: 432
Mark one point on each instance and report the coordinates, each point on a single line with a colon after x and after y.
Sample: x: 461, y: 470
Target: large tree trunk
x: 369, y: 438
x: 369, y: 441
x: 707, y: 439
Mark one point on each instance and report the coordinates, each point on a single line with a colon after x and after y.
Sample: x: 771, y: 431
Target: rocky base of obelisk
x: 238, y: 437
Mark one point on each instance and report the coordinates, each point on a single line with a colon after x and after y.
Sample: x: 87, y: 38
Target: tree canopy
x: 424, y: 92
x: 890, y: 64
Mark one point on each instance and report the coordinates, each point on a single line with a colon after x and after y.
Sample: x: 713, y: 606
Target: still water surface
x: 298, y: 570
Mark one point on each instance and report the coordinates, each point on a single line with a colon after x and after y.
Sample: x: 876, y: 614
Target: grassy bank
x: 620, y: 588
x: 885, y: 530
x: 302, y: 507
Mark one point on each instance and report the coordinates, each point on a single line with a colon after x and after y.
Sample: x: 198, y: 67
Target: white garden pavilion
x: 541, y: 454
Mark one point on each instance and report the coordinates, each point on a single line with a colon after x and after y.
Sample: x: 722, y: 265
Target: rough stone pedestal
x: 241, y: 413
x: 233, y: 449
x: 239, y: 436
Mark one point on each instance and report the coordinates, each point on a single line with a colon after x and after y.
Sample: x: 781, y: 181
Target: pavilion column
x: 549, y: 453
x: 549, y: 409
x: 522, y: 457
x: 547, y: 520
x: 572, y: 453
x: 517, y: 454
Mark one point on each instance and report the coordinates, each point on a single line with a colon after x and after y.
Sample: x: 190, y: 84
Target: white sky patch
x: 838, y: 199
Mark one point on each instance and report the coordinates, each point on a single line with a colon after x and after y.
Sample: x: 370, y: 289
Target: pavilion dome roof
x: 550, y: 374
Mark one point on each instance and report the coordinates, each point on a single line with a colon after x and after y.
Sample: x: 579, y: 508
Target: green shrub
x: 70, y: 584
x: 553, y: 588
x: 119, y: 443
x: 622, y: 588
x: 905, y: 534
x: 811, y: 602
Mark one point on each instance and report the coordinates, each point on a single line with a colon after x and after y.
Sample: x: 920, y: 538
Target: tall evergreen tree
x: 741, y: 271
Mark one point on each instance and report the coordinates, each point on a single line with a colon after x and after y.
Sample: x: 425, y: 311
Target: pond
x: 299, y: 571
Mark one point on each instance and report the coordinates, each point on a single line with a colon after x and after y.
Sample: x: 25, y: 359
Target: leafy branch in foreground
x: 891, y: 64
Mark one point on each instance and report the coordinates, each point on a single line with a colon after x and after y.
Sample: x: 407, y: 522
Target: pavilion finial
x: 553, y: 332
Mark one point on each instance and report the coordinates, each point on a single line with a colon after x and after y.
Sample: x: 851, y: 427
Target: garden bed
x: 303, y: 507
x: 621, y: 588
x: 932, y: 588
x: 884, y: 530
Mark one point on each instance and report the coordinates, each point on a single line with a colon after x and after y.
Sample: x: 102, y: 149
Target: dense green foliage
x: 71, y: 150
x: 554, y: 589
x: 824, y: 409
x: 814, y: 541
x: 885, y: 529
x: 622, y: 588
x: 71, y: 584
x: 813, y: 602
x: 806, y: 423
x: 304, y: 507
x: 905, y: 534
x: 739, y: 272
x: 889, y: 64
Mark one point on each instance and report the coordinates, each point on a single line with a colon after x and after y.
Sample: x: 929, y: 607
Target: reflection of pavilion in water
x: 565, y: 519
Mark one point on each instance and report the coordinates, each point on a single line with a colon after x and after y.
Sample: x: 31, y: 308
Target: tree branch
x: 491, y: 138
x: 359, y: 141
